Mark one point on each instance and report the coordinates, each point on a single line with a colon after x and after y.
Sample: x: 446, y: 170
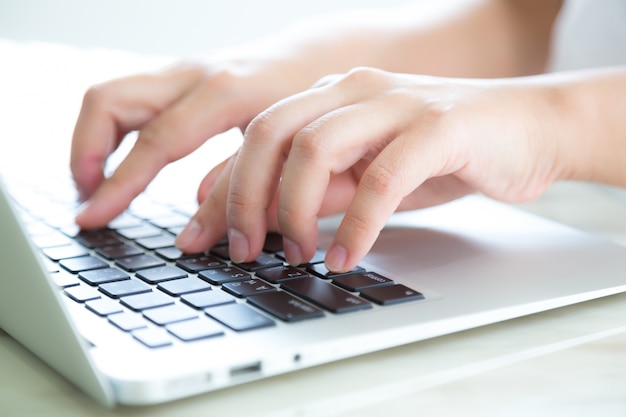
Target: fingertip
x: 336, y: 258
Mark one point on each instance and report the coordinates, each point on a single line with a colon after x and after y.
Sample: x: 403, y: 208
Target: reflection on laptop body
x: 129, y: 319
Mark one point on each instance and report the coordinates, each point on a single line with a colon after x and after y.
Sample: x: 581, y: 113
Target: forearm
x: 592, y: 132
x: 461, y: 38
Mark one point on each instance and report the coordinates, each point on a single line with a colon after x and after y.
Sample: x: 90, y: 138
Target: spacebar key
x: 325, y: 295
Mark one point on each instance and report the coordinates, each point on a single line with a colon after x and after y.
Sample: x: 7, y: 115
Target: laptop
x: 130, y: 320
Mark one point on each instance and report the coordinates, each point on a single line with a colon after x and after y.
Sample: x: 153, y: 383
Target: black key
x: 325, y: 295
x: 98, y: 238
x: 263, y: 261
x: 191, y: 330
x: 207, y: 299
x: 64, y: 252
x: 102, y: 276
x: 318, y: 256
x: 104, y: 307
x: 170, y: 314
x: 124, y: 288
x: 221, y: 275
x: 119, y: 251
x: 285, y: 306
x: 182, y: 286
x: 81, y: 293
x: 199, y: 263
x: 281, y: 273
x: 147, y: 300
x: 321, y: 271
x: 239, y: 317
x: 220, y: 251
x: 83, y: 263
x: 136, y: 263
x: 153, y: 338
x: 156, y: 242
x: 127, y: 321
x: 160, y: 274
x: 247, y: 288
x: 273, y: 243
x: 391, y: 294
x: 358, y: 282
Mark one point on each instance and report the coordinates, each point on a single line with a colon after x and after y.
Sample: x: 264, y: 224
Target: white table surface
x: 570, y: 361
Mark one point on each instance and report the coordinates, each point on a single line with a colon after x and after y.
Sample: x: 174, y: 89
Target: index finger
x: 111, y: 110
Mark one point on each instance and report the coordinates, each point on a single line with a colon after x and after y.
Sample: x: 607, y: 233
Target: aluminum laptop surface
x: 474, y: 261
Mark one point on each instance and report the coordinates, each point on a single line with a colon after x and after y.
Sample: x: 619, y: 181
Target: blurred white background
x: 164, y: 27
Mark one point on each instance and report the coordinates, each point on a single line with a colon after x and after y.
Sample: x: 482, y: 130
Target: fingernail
x: 336, y: 258
x: 82, y: 210
x: 190, y: 234
x: 238, y: 247
x: 293, y: 254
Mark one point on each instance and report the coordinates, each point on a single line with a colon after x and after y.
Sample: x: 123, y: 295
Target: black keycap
x: 318, y: 256
x: 83, y: 263
x: 182, y: 286
x: 247, y: 288
x: 199, y: 263
x: 124, y: 288
x: 98, y: 238
x: 285, y: 306
x: 321, y: 271
x: 160, y: 274
x: 281, y: 273
x: 239, y: 317
x: 273, y: 243
x: 102, y: 276
x: 191, y: 330
x: 263, y: 261
x: 220, y: 251
x: 221, y: 275
x: 358, y: 282
x: 205, y: 299
x: 136, y: 263
x: 153, y: 338
x: 325, y: 295
x: 170, y: 314
x: 391, y: 294
x: 119, y: 251
x: 140, y: 302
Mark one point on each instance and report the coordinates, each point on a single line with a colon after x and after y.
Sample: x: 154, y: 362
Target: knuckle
x: 310, y: 144
x: 380, y: 181
x: 363, y: 76
x: 261, y: 130
x: 96, y: 96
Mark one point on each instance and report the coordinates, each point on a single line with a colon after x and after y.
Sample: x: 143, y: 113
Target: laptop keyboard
x: 133, y: 276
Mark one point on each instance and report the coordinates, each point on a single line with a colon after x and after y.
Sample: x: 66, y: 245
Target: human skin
x: 482, y: 124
